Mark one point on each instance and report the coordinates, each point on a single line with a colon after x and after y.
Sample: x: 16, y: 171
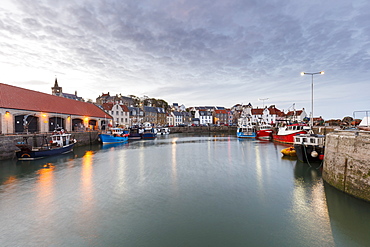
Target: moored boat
x: 114, y: 135
x: 264, y: 132
x: 61, y: 143
x: 309, y: 147
x: 163, y: 130
x: 136, y: 133
x: 245, y: 128
x: 286, y: 133
x: 149, y: 131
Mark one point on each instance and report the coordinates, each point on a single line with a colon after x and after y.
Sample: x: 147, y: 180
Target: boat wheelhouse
x: 309, y: 147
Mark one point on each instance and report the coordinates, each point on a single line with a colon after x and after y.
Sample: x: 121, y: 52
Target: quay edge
x: 346, y: 164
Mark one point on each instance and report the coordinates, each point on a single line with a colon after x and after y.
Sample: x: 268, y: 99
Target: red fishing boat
x: 264, y: 131
x: 286, y: 133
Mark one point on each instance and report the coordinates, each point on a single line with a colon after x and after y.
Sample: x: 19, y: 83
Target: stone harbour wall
x: 347, y: 162
x: 8, y: 142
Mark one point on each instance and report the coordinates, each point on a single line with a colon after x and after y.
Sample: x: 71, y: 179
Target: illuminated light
x: 322, y: 72
x: 44, y: 115
x: 7, y: 112
x: 302, y: 73
x: 86, y: 119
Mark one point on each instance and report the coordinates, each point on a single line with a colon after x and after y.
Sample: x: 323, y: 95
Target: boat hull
x: 304, y: 153
x: 34, y: 155
x: 264, y: 134
x: 246, y: 135
x: 149, y: 135
x: 289, y: 138
x: 106, y: 138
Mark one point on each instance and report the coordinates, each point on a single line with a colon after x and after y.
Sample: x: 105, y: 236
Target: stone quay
x: 346, y: 163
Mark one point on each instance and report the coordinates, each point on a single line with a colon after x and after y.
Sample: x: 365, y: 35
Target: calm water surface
x: 178, y: 190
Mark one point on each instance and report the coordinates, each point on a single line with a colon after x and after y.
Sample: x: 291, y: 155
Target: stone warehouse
x: 27, y: 111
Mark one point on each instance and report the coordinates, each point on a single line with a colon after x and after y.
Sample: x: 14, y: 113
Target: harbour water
x: 177, y: 190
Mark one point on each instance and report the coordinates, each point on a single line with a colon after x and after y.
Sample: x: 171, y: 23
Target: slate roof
x: 13, y: 97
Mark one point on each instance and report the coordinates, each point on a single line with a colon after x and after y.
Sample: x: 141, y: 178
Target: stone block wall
x: 347, y: 162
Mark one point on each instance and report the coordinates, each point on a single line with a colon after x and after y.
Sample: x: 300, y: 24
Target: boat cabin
x: 310, y: 139
x: 60, y: 138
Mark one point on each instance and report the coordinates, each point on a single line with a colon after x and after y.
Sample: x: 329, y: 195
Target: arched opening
x: 77, y: 124
x: 56, y: 122
x: 93, y: 124
x: 26, y: 124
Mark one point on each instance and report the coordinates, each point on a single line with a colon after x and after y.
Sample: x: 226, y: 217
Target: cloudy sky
x: 193, y: 52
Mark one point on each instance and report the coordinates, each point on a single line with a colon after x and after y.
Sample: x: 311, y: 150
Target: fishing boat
x: 309, y: 147
x: 61, y: 143
x: 245, y: 128
x: 114, y: 135
x: 285, y: 134
x: 149, y: 132
x: 264, y: 131
x: 163, y: 131
x: 136, y: 133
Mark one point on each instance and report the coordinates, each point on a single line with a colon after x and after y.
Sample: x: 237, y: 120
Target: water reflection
x: 349, y: 217
x: 174, y: 163
x: 224, y: 191
x: 308, y: 196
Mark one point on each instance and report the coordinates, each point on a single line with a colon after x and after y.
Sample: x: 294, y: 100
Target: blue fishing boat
x: 114, y: 135
x: 245, y: 128
x: 61, y: 143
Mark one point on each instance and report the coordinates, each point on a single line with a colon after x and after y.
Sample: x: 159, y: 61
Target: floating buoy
x: 314, y: 154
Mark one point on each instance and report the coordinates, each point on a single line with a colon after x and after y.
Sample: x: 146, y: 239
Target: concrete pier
x: 347, y: 162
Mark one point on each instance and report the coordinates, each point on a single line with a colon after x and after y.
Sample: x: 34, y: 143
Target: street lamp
x: 263, y: 101
x: 312, y: 74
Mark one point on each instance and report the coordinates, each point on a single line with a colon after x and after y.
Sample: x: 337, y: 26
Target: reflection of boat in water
x: 114, y: 145
x: 114, y: 135
x: 309, y: 147
x: 60, y: 143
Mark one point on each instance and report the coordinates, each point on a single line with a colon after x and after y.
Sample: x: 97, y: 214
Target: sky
x: 194, y: 52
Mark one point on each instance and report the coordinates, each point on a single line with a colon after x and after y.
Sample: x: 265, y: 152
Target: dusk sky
x: 193, y: 52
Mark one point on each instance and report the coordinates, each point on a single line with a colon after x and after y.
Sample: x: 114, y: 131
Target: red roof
x: 125, y: 108
x: 24, y: 99
x: 107, y: 106
x: 257, y: 111
x: 220, y: 111
x: 292, y: 113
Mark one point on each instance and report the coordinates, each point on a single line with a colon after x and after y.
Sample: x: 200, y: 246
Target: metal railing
x: 367, y: 114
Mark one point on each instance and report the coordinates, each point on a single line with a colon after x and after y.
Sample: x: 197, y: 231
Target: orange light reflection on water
x: 86, y: 178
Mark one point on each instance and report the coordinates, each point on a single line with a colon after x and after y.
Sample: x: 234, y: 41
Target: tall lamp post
x: 312, y: 74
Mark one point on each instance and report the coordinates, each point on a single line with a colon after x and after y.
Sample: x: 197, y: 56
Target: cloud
x: 220, y: 51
